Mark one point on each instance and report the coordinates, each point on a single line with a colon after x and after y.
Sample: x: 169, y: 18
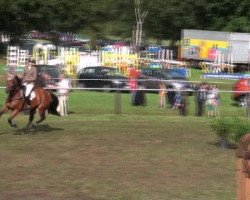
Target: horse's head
x: 13, y: 83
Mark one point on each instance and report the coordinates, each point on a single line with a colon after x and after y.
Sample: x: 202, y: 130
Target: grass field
x: 146, y: 153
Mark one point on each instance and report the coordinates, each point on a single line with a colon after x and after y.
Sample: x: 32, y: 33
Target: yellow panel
x: 205, y: 46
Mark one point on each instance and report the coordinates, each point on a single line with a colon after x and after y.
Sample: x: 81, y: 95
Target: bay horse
x: 42, y: 102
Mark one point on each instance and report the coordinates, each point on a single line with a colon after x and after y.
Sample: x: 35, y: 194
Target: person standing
x: 201, y: 99
x: 216, y: 101
x: 140, y: 96
x: 162, y: 95
x: 184, y: 105
x: 133, y: 84
x: 64, y: 86
x: 210, y: 102
x: 177, y: 100
x: 29, y: 78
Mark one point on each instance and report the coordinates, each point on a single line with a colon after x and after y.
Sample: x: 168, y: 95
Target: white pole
x: 163, y: 55
x: 219, y: 58
x: 159, y: 55
x: 167, y: 55
x: 222, y: 58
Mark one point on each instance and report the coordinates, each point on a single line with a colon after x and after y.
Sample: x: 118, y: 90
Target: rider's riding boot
x: 26, y: 102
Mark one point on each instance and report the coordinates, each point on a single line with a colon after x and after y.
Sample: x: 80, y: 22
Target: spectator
x: 140, y: 96
x: 162, y: 95
x: 201, y: 99
x: 210, y: 102
x: 216, y: 101
x: 133, y: 75
x: 184, y: 105
x: 133, y: 85
x: 177, y: 100
x: 64, y: 86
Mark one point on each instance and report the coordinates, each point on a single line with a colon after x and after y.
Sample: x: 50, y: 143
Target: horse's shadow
x: 38, y: 129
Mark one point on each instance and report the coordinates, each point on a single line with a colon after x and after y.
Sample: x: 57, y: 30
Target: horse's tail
x: 53, y: 105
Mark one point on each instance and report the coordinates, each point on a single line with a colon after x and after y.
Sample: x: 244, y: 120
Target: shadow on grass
x: 235, y: 104
x: 38, y: 129
x: 218, y: 144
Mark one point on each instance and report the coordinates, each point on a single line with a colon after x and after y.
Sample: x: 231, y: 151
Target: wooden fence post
x: 243, y: 168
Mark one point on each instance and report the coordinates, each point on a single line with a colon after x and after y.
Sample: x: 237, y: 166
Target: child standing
x: 177, y: 100
x: 162, y: 95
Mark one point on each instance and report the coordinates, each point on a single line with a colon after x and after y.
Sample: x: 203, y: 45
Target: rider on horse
x: 29, y: 78
x: 43, y: 100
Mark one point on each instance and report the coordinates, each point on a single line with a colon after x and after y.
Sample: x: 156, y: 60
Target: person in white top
x: 64, y: 86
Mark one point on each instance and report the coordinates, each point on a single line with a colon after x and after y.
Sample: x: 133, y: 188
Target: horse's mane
x: 18, y: 80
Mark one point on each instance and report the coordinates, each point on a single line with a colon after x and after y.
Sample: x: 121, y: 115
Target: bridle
x: 12, y: 85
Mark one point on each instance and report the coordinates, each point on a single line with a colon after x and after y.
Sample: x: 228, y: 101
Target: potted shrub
x: 240, y: 127
x: 222, y: 128
x: 230, y: 129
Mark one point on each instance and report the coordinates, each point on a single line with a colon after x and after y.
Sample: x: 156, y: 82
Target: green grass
x: 143, y: 154
x: 146, y: 153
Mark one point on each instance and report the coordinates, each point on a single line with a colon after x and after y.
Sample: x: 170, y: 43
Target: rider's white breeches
x: 29, y: 87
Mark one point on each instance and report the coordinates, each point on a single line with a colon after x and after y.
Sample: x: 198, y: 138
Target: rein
x: 13, y: 95
x: 17, y: 98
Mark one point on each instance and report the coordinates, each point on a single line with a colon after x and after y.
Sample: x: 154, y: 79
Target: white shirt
x: 64, y: 86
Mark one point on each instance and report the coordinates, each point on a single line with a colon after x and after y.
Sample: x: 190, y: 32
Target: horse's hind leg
x: 42, y: 115
x: 31, y: 118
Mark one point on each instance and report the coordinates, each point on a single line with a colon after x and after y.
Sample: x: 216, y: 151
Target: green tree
x: 116, y: 18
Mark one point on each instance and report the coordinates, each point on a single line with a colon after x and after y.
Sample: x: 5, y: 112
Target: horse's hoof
x: 27, y: 130
x: 14, y: 125
x: 33, y: 126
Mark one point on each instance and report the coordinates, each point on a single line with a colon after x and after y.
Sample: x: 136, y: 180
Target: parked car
x: 101, y: 77
x: 48, y: 75
x: 241, y: 97
x: 173, y: 79
x: 151, y: 77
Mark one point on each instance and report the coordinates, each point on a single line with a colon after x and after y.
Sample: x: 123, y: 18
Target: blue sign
x: 225, y: 75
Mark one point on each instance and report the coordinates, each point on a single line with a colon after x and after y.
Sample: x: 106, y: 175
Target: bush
x: 231, y: 129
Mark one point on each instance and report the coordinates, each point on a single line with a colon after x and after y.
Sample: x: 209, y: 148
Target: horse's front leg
x: 12, y: 116
x: 4, y: 110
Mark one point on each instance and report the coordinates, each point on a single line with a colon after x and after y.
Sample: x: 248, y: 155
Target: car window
x: 89, y: 71
x: 173, y: 74
x: 52, y: 71
x: 158, y: 74
x: 111, y: 72
x: 147, y: 72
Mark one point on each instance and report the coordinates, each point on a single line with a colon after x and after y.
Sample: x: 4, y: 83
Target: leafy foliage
x: 101, y: 19
x: 231, y: 128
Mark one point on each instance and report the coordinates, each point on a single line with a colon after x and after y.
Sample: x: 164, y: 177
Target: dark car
x: 150, y: 78
x: 101, y: 77
x: 48, y: 75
